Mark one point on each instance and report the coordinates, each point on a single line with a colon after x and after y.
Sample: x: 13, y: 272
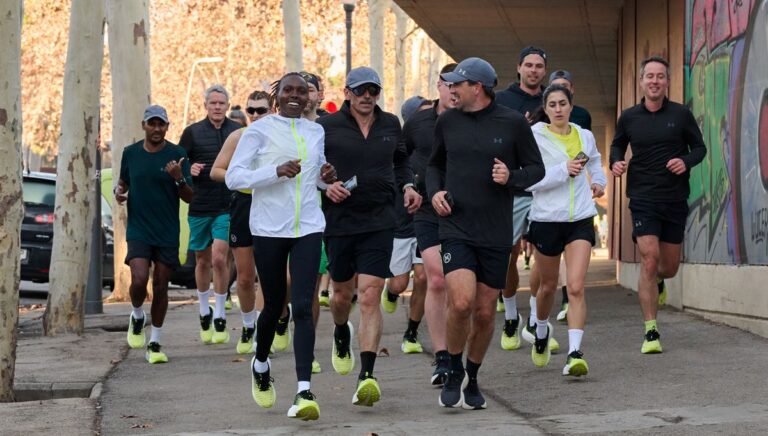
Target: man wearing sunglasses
x: 258, y: 105
x: 482, y: 152
x: 362, y: 143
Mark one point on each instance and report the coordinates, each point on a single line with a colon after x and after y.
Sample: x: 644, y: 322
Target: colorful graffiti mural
x: 726, y: 87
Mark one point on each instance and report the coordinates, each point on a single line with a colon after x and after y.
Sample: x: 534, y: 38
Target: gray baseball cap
x: 362, y: 75
x: 561, y: 74
x: 411, y: 105
x: 474, y: 69
x: 155, y: 111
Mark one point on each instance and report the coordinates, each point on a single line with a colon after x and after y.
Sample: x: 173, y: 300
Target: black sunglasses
x: 261, y: 110
x: 372, y: 89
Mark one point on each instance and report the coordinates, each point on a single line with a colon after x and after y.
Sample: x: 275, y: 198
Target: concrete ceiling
x: 578, y: 35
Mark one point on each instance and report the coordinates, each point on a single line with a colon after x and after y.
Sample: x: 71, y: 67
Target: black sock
x: 391, y: 297
x: 367, y: 360
x: 341, y: 332
x: 456, y: 364
x: 442, y: 355
x: 565, y: 294
x: 472, y: 369
x: 413, y: 326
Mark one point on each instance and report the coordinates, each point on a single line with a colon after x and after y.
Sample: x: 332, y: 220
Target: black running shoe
x: 473, y: 398
x: 440, y: 374
x: 220, y: 332
x: 206, y: 332
x: 452, y: 395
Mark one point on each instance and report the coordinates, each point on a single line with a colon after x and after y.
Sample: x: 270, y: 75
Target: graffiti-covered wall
x: 726, y: 87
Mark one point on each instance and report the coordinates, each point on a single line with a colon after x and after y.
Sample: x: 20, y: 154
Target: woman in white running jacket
x: 561, y: 221
x: 281, y: 157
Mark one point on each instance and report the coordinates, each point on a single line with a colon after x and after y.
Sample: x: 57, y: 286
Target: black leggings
x: 271, y: 256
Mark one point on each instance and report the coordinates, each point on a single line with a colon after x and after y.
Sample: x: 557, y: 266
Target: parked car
x: 184, y: 275
x: 37, y: 230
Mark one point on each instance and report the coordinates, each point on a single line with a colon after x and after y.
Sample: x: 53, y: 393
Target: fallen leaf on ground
x: 239, y: 359
x: 141, y: 426
x: 129, y: 416
x: 384, y: 352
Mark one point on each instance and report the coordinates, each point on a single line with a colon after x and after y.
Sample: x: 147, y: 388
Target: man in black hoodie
x: 525, y: 97
x: 482, y: 152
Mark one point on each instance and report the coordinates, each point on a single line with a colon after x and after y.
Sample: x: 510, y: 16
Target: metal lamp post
x: 197, y: 62
x: 349, y: 7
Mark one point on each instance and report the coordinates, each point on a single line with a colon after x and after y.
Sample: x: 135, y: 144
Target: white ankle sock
x: 219, y: 311
x: 510, y: 307
x: 574, y: 339
x: 202, y: 298
x: 155, y: 334
x: 303, y: 386
x: 138, y: 313
x: 261, y: 367
x: 249, y: 318
x: 541, y: 328
x: 532, y: 319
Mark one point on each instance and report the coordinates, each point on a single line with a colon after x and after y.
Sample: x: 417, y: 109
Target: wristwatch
x: 179, y: 183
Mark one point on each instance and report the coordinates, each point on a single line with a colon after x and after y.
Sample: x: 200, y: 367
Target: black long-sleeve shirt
x: 202, y: 141
x: 466, y: 144
x: 419, y: 138
x: 380, y: 163
x: 656, y: 137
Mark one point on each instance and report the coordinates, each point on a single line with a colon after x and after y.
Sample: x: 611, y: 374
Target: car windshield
x: 39, y: 192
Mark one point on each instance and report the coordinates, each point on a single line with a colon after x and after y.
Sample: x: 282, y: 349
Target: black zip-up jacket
x: 202, y: 142
x: 380, y: 163
x: 657, y: 137
x: 466, y: 144
x: 515, y: 98
x: 419, y: 138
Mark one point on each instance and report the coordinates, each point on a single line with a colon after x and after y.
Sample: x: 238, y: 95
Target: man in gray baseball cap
x: 155, y: 111
x: 361, y: 76
x: 473, y: 70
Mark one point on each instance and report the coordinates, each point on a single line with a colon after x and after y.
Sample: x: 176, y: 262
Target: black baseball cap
x: 532, y: 50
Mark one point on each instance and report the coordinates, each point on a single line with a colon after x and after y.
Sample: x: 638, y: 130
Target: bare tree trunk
x: 75, y: 173
x: 294, y: 58
x: 416, y: 73
x: 376, y: 10
x: 128, y: 27
x: 435, y: 58
x: 401, y: 29
x: 10, y: 188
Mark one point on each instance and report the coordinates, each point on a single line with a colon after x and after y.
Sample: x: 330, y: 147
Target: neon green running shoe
x: 500, y: 304
x: 316, y: 369
x: 510, y: 339
x: 367, y: 393
x: 154, y: 355
x: 305, y: 407
x: 652, y: 342
x: 562, y: 316
x: 388, y: 305
x: 411, y: 344
x: 206, y: 327
x: 324, y: 298
x: 540, y: 352
x: 282, y: 339
x: 228, y: 302
x: 220, y: 332
x: 246, y: 345
x: 262, y: 387
x: 662, y: 291
x: 575, y: 365
x: 528, y: 333
x: 135, y: 335
x: 342, y: 358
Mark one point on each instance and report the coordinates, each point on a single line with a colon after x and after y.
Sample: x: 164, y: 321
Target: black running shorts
x: 239, y: 220
x: 664, y: 220
x: 364, y: 253
x: 550, y: 239
x: 426, y: 234
x: 168, y: 256
x: 488, y: 264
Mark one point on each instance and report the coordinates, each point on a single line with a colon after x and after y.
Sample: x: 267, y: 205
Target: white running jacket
x: 281, y: 207
x: 559, y: 197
